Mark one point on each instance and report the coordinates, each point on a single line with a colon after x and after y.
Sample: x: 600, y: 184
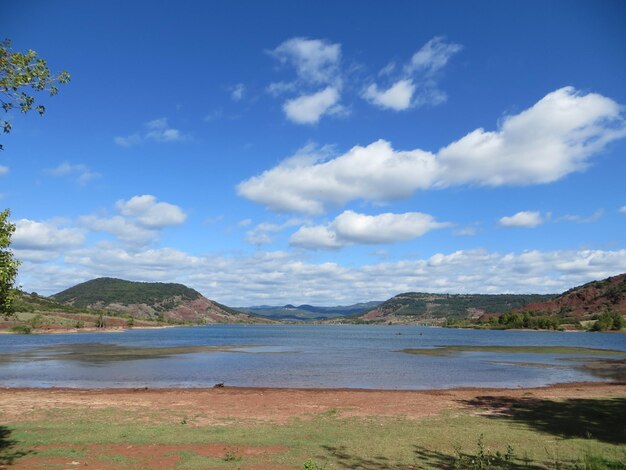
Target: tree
x: 21, y: 72
x: 8, y: 265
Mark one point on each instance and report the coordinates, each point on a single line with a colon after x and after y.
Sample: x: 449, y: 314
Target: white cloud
x: 353, y: 228
x: 157, y: 130
x: 579, y: 219
x: 308, y: 109
x: 128, y: 141
x: 279, y: 277
x: 159, y: 123
x: 260, y: 235
x: 433, y: 56
x: 542, y: 144
x: 316, y: 237
x: 623, y: 209
x: 397, y: 97
x: 526, y: 219
x: 164, y: 135
x: 468, y: 231
x: 81, y: 172
x: 34, y: 236
x: 139, y: 221
x: 125, y: 230
x: 237, y: 91
x: 278, y: 88
x: 150, y: 213
x: 4, y: 170
x: 416, y: 84
x: 316, y: 61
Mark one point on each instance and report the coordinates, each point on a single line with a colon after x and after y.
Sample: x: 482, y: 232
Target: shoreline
x: 285, y: 404
x: 122, y: 329
x: 62, y: 331
x: 234, y: 388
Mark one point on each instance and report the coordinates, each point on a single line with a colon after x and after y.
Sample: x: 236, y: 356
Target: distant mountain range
x: 308, y: 312
x: 150, y: 300
x: 176, y: 303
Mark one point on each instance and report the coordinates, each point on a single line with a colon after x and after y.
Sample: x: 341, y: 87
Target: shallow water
x: 292, y: 356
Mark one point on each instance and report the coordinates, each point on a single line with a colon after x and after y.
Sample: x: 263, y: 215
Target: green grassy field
x: 541, y: 433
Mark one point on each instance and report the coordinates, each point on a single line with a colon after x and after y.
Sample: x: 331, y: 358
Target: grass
x: 457, y: 350
x: 541, y: 432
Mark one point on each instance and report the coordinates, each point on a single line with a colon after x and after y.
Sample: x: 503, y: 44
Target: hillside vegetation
x: 417, y: 307
x: 116, y: 303
x: 597, y: 305
x: 108, y: 290
x: 35, y: 313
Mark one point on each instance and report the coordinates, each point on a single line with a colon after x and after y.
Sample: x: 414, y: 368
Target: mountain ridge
x: 169, y: 302
x: 432, y: 308
x: 307, y: 312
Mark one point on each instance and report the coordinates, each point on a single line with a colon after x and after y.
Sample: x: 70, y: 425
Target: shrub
x: 21, y: 329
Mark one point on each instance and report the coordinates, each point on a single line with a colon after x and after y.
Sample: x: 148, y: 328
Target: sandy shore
x: 283, y: 404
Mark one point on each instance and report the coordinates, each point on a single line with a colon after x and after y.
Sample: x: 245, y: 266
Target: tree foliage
x: 106, y: 290
x: 609, y: 320
x: 8, y: 265
x: 21, y: 75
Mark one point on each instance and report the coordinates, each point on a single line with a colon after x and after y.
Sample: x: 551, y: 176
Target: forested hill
x: 416, y: 307
x: 108, y: 290
x: 151, y: 300
x: 587, y: 300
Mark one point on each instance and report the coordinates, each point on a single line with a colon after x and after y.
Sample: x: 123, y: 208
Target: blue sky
x: 300, y: 152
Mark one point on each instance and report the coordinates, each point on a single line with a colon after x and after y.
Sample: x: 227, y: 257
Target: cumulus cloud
x: 261, y: 234
x: 397, y: 97
x: 156, y: 130
x: 4, y: 170
x: 279, y: 277
x: 123, y: 229
x: 316, y: 237
x: 416, y: 83
x: 80, y: 172
x: 553, y: 138
x: 35, y: 240
x: 150, y: 213
x: 308, y: 109
x: 316, y: 63
x: 623, y: 209
x: 353, y: 228
x: 139, y: 221
x: 525, y: 219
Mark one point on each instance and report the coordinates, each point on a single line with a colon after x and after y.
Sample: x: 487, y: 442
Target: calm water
x: 298, y: 356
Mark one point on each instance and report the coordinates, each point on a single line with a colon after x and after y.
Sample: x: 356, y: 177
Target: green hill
x: 108, y: 290
x: 169, y: 302
x: 416, y: 307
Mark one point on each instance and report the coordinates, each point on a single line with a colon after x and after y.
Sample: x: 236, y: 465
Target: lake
x: 310, y: 356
